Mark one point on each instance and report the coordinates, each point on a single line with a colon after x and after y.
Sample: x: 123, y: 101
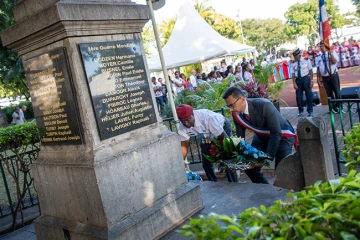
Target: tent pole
x: 161, y: 55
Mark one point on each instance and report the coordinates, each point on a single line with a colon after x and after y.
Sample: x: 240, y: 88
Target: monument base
x: 151, y: 222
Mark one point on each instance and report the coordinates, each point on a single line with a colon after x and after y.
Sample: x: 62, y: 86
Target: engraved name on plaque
x: 118, y: 85
x: 52, y: 96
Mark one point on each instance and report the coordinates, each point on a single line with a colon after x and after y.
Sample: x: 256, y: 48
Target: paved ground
x: 349, y: 77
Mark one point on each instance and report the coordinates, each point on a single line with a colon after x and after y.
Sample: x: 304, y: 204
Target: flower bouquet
x: 236, y: 154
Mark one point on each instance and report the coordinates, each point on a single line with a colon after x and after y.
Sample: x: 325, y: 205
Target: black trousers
x: 304, y: 85
x: 209, y: 166
x: 332, y: 86
x: 284, y: 149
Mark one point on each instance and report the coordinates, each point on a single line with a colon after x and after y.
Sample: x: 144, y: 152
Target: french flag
x: 324, y: 28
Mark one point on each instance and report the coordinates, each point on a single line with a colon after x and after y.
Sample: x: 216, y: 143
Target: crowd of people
x: 248, y: 113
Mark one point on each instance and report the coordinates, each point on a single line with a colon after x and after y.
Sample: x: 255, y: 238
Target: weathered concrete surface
x: 233, y: 198
x: 93, y: 190
x: 289, y: 173
x: 314, y: 150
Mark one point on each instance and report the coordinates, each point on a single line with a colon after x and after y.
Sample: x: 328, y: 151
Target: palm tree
x: 165, y: 28
x: 208, y: 13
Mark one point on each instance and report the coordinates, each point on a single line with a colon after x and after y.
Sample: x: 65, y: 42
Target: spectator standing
x: 158, y: 95
x: 179, y: 84
x: 22, y: 111
x: 16, y: 116
x: 164, y: 90
x: 248, y: 77
x: 193, y: 79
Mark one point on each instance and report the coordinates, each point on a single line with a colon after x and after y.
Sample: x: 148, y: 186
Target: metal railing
x: 344, y: 114
x: 194, y: 155
x: 8, y: 191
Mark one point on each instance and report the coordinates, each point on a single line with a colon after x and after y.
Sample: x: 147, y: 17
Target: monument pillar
x: 108, y: 168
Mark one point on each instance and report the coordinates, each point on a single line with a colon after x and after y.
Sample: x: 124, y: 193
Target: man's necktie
x: 299, y: 70
x: 326, y: 66
x: 247, y: 117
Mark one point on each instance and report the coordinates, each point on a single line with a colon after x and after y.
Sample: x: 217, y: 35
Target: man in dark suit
x: 273, y: 133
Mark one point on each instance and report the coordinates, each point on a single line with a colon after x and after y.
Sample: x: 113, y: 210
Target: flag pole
x: 161, y: 55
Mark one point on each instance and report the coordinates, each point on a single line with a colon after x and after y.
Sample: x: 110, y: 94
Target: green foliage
x: 148, y: 38
x: 12, y: 75
x: 263, y: 74
x: 225, y: 26
x: 351, y: 149
x: 16, y: 136
x: 274, y: 90
x: 28, y: 114
x: 264, y: 33
x: 303, y: 18
x: 329, y: 210
x: 187, y: 69
x: 207, y: 95
x: 165, y: 29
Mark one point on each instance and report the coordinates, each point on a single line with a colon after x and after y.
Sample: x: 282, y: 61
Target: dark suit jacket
x: 263, y: 114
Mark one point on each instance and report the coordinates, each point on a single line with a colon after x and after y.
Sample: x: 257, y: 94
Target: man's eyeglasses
x: 231, y: 106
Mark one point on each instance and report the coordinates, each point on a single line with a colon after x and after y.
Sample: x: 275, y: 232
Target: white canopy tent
x: 193, y: 40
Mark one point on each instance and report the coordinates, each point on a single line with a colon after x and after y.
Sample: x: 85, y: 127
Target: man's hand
x: 321, y: 84
x: 295, y: 86
x: 311, y: 84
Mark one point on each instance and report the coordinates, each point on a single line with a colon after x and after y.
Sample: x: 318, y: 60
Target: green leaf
x: 348, y: 236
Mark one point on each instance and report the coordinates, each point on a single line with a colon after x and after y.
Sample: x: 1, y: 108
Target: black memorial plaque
x: 53, y: 99
x: 118, y: 85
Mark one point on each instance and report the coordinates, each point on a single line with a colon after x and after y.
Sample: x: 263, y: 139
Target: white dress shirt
x: 321, y: 65
x: 206, y: 122
x: 305, y: 67
x: 180, y: 81
x: 193, y: 81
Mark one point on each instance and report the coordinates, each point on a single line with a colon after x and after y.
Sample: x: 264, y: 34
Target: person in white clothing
x: 193, y: 79
x: 264, y: 63
x: 208, y: 125
x: 326, y: 64
x: 179, y: 84
x: 247, y: 75
x: 16, y: 116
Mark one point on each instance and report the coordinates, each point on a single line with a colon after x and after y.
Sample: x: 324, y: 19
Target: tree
x: 303, y: 19
x: 165, y: 28
x: 264, y: 33
x: 148, y: 38
x: 225, y: 26
x: 357, y: 4
x: 12, y: 75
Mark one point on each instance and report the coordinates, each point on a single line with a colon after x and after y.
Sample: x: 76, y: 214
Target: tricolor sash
x: 286, y: 132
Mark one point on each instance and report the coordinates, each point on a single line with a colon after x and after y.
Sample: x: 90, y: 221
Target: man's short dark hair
x: 177, y: 72
x: 233, y: 91
x: 153, y: 78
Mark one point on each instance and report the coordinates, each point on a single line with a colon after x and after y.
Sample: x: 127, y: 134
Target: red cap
x: 184, y: 111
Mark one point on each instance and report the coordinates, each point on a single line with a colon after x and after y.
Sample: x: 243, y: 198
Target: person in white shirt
x: 179, y: 84
x: 158, y: 95
x: 193, y: 79
x: 16, y: 116
x: 22, y: 110
x: 208, y: 125
x: 326, y: 64
x: 303, y: 81
x: 264, y: 63
x: 247, y: 75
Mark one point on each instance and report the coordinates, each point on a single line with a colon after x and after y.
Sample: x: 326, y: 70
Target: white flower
x: 236, y: 140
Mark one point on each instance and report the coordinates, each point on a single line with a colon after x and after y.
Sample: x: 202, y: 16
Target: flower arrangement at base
x: 236, y: 154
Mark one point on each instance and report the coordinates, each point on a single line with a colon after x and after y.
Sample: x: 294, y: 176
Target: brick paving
x: 349, y: 77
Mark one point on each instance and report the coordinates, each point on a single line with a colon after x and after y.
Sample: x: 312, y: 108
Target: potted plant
x: 236, y: 154
x: 262, y: 87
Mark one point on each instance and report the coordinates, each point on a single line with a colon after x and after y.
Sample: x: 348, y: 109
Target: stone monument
x: 108, y: 168
x: 315, y: 150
